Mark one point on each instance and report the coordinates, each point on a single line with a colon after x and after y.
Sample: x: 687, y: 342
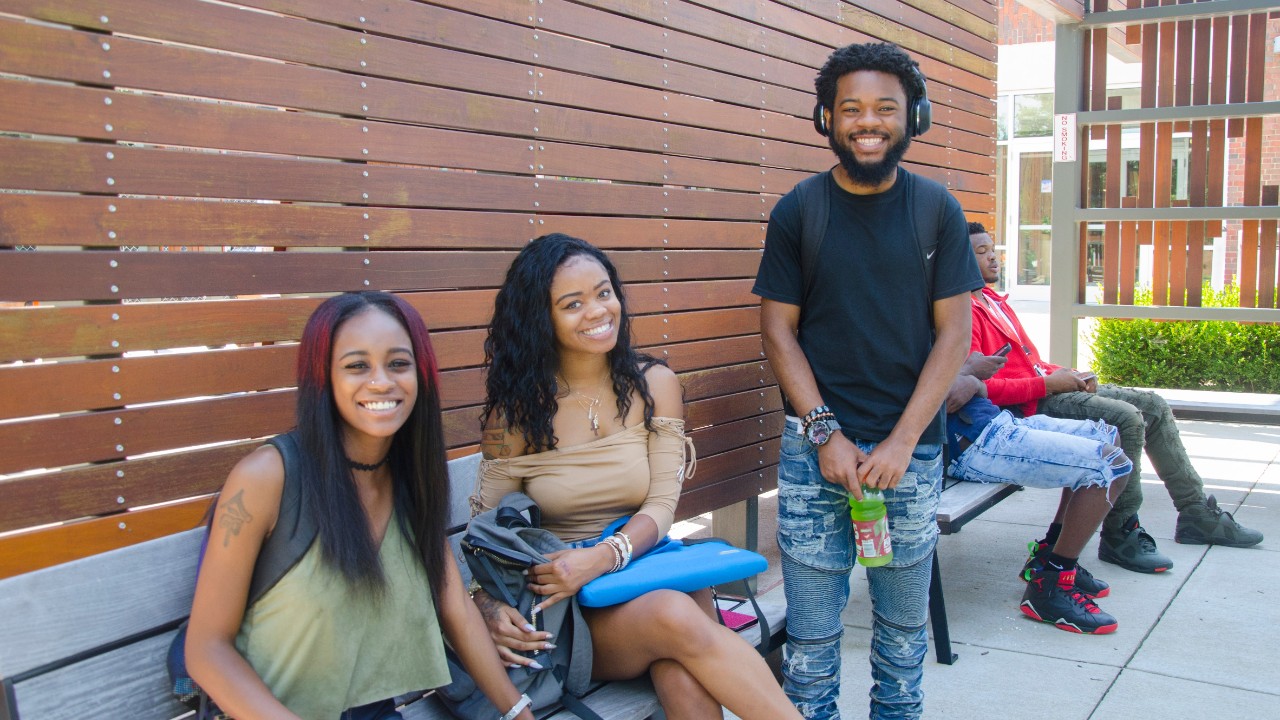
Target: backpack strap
x: 927, y: 199
x: 815, y: 208
x: 295, y: 530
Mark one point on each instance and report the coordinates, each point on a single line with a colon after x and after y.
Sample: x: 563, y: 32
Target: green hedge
x: 1195, y: 355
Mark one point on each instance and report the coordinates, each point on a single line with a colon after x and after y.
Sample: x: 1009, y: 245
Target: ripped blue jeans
x: 818, y: 552
x: 1043, y: 452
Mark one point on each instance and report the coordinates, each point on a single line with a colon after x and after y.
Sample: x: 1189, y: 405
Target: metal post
x: 1065, y: 252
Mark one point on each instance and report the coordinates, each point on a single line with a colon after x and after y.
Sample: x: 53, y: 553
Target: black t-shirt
x: 865, y: 323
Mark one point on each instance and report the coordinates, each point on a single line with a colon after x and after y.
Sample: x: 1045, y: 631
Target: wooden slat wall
x: 184, y: 180
x: 1184, y: 64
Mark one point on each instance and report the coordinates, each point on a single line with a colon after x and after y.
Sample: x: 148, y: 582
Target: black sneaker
x: 1086, y: 583
x: 1052, y: 597
x: 1206, y: 524
x: 1132, y: 549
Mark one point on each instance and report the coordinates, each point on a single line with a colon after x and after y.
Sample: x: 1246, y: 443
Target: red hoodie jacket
x: 1017, y: 383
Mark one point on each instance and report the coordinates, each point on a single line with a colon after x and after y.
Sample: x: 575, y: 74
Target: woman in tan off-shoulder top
x: 593, y: 430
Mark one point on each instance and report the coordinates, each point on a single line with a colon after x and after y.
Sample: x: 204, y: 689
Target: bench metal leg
x: 938, y: 616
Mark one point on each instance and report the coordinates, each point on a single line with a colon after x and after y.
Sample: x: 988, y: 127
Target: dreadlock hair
x: 881, y: 57
x: 977, y: 228
x: 521, y: 351
x: 419, y: 471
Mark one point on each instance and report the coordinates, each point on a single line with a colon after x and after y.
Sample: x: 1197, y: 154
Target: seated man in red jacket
x: 1029, y: 384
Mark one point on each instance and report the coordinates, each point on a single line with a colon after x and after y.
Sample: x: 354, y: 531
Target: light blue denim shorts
x: 1043, y: 452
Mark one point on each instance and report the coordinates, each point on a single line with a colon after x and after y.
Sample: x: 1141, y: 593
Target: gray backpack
x: 499, y: 546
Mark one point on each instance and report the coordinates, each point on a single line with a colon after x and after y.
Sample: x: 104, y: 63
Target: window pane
x: 1033, y: 115
x: 1033, y: 255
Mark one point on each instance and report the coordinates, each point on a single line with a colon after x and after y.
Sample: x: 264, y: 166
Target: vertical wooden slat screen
x: 183, y: 181
x: 1196, y: 163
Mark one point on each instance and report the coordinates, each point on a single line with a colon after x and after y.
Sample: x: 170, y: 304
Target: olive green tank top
x: 322, y: 647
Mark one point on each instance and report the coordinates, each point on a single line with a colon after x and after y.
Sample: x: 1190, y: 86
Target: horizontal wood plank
x: 61, y: 332
x: 28, y: 551
x: 68, y: 220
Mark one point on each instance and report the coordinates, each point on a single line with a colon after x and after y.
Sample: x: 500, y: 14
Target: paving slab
x: 991, y: 684
x: 1139, y: 695
x: 1000, y: 685
x: 1222, y: 626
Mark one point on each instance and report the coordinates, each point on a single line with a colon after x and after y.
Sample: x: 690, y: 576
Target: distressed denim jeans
x: 1144, y: 420
x: 818, y: 553
x: 1043, y: 452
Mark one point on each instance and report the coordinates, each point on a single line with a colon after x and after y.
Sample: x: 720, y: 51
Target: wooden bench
x: 91, y: 635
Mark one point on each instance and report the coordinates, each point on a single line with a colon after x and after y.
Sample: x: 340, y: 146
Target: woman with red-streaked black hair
x: 359, y: 619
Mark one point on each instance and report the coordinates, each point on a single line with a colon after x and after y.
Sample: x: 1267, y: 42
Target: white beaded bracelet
x: 617, y: 554
x: 624, y: 544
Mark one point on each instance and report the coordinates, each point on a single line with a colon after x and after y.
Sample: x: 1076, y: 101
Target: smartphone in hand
x: 1004, y: 350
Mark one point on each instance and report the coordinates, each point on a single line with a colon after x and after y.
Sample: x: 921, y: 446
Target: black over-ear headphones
x: 919, y: 112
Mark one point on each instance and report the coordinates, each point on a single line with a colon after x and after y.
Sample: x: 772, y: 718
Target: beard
x: 870, y: 173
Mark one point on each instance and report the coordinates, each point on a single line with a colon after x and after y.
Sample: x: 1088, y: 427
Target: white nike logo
x: 930, y: 255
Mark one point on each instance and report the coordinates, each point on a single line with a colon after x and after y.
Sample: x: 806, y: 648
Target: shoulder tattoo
x: 234, y: 517
x: 494, y: 444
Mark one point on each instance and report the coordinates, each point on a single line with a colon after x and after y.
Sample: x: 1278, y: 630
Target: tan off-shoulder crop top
x: 583, y: 488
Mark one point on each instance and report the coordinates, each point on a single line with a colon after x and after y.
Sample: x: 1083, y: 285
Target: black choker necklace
x: 366, y: 467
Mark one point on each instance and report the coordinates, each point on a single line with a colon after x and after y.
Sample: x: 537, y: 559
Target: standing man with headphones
x: 864, y: 310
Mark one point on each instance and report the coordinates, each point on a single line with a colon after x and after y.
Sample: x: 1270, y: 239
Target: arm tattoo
x: 488, y: 606
x: 234, y: 517
x: 495, y: 444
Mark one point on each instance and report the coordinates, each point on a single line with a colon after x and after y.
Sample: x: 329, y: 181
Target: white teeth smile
x: 381, y: 405
x: 595, y: 331
x: 868, y: 141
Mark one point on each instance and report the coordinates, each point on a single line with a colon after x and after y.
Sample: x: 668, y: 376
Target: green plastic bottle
x: 871, y: 528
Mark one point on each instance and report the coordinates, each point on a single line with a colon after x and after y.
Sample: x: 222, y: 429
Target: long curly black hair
x: 881, y: 57
x: 521, y: 351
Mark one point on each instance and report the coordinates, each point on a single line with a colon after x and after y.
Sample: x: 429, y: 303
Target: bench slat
x: 127, y: 683
x: 84, y: 604
x: 962, y: 501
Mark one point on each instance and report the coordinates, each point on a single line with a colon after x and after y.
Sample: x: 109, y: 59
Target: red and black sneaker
x: 1086, y: 583
x: 1052, y: 597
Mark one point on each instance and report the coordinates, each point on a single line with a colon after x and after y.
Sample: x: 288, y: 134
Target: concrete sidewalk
x: 1198, y: 640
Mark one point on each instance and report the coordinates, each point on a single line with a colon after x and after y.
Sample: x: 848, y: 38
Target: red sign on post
x: 1064, y: 137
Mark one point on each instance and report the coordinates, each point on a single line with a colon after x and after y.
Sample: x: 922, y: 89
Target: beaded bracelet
x: 617, y: 554
x: 626, y: 547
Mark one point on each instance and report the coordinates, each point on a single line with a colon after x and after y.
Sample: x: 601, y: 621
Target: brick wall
x: 1017, y: 24
x: 1270, y: 150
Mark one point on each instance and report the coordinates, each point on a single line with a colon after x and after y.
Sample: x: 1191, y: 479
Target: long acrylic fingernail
x: 535, y: 665
x: 513, y: 666
x: 548, y: 646
x: 529, y: 628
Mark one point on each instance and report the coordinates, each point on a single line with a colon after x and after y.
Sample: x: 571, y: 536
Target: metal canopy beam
x: 1184, y: 214
x: 1183, y: 112
x: 1164, y: 13
x: 1176, y: 312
